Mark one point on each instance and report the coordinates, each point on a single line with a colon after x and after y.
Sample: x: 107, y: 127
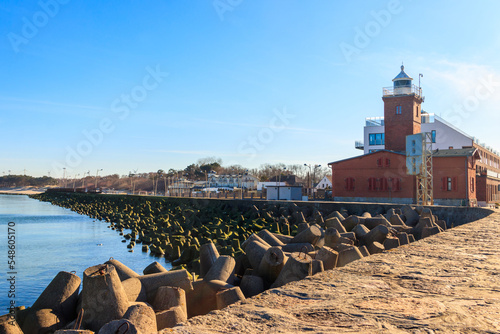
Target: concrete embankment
x: 446, y: 283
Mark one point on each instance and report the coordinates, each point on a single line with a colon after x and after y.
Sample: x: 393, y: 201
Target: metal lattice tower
x: 425, y: 195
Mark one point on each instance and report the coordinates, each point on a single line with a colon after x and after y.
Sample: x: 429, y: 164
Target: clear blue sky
x: 160, y: 84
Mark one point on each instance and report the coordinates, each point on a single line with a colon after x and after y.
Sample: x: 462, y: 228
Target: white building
x: 444, y: 135
x: 325, y: 183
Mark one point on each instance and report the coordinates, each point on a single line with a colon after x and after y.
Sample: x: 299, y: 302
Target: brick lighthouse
x: 402, y: 111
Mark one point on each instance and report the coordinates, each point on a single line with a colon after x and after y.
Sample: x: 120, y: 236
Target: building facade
x: 465, y: 172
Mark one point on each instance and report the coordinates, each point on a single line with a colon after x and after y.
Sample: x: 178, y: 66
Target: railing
x: 403, y: 90
x: 374, y: 121
x: 358, y: 144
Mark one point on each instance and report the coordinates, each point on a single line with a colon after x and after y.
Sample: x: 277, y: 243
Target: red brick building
x: 464, y: 175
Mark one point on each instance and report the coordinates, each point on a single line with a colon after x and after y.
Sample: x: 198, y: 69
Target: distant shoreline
x: 21, y: 191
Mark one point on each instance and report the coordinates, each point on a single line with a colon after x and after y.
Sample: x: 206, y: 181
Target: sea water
x: 50, y: 239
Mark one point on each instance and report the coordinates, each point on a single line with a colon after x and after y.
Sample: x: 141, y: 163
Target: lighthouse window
x: 398, y: 110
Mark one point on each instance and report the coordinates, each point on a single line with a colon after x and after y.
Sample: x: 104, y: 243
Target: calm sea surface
x: 50, y: 239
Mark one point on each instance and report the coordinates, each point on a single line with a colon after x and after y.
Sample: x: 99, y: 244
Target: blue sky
x: 126, y: 85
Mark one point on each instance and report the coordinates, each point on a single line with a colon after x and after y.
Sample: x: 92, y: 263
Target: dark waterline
x: 50, y: 239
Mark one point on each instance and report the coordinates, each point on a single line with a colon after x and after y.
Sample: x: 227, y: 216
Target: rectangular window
x: 448, y: 184
x: 371, y: 183
x: 387, y: 162
x: 472, y: 184
x: 376, y: 139
x: 397, y: 186
x: 349, y: 184
x: 398, y: 110
x: 433, y: 135
x: 383, y: 184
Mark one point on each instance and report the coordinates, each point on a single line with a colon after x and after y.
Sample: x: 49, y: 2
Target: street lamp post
x: 310, y: 176
x: 74, y: 181
x: 64, y: 177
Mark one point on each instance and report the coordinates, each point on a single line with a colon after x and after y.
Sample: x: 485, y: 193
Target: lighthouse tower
x: 402, y: 111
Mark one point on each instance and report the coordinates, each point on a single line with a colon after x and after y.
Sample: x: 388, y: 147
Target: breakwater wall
x: 281, y: 242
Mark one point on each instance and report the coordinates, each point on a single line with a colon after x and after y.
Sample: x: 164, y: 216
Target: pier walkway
x: 447, y: 283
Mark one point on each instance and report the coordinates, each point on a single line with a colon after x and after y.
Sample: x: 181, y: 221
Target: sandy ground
x: 22, y: 190
x: 447, y: 283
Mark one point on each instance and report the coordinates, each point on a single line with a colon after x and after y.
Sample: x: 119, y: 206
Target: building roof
x: 455, y: 152
x: 402, y: 75
x: 364, y: 155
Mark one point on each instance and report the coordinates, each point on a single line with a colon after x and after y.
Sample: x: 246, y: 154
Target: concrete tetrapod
x: 142, y: 316
x: 390, y: 243
x: 255, y: 251
x: 208, y: 256
x: 378, y: 234
x: 302, y: 247
x: 403, y: 238
x: 120, y: 326
x: 169, y: 318
x: 317, y: 266
x: 103, y: 297
x: 168, y: 297
x: 271, y: 264
x: 270, y: 238
x: 222, y: 270
x: 253, y: 237
x: 411, y: 215
x: 202, y: 299
x: 371, y: 223
x: 8, y: 325
x: 335, y: 223
x: 60, y: 296
x: 310, y: 235
x: 375, y: 248
x: 229, y: 296
x: 152, y: 282
x: 134, y: 289
x: 297, y: 267
x: 42, y: 321
x: 348, y: 255
x: 251, y: 285
x: 332, y: 237
x: 122, y: 270
x: 350, y: 222
x: 154, y: 268
x: 73, y: 331
x: 328, y: 256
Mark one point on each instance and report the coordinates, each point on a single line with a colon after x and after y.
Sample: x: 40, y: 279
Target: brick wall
x: 398, y: 126
x: 383, y: 175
